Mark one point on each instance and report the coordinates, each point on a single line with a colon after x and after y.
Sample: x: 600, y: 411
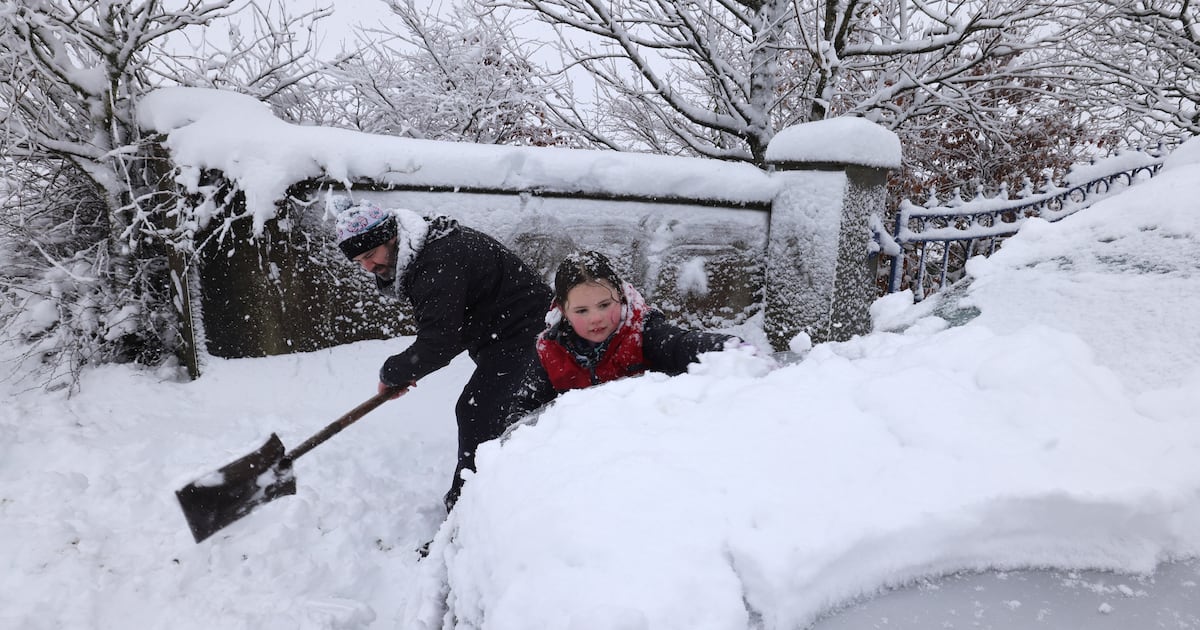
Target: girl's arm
x: 670, y: 349
x: 535, y: 392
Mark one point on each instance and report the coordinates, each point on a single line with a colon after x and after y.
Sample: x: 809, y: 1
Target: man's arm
x: 438, y: 293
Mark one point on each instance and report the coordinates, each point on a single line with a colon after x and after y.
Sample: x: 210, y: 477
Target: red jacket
x: 569, y: 364
x: 644, y: 342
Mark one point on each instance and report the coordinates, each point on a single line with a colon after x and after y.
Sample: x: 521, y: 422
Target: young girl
x: 600, y: 329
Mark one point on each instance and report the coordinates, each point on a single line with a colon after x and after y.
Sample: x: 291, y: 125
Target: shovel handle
x: 341, y: 423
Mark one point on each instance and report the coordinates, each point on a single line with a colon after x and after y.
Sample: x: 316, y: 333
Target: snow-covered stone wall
x: 714, y: 244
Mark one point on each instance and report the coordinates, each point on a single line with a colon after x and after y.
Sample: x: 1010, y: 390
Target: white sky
x: 1059, y: 427
x: 352, y: 19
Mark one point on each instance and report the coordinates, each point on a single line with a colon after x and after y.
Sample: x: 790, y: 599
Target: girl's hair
x: 581, y: 268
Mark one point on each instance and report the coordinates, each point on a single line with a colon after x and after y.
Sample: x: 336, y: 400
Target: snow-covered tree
x: 94, y: 240
x: 463, y: 76
x: 268, y: 50
x: 1143, y: 58
x: 719, y: 78
x: 81, y: 284
x: 968, y: 85
x: 1019, y: 132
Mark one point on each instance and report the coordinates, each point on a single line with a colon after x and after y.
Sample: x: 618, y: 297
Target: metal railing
x: 940, y: 238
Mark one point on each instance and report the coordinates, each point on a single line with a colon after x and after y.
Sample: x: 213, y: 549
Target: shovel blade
x: 220, y: 498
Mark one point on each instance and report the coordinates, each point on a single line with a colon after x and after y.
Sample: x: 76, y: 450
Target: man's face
x: 380, y: 261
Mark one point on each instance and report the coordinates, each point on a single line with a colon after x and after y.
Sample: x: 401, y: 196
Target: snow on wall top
x: 263, y: 155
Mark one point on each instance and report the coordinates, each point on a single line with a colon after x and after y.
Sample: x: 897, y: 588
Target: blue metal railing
x: 944, y: 237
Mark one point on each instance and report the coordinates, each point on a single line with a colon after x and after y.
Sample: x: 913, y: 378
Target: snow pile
x: 1046, y: 415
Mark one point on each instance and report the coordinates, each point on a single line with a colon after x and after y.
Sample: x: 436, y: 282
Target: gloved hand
x: 396, y: 391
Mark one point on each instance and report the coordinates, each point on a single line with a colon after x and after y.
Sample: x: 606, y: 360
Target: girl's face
x: 594, y: 310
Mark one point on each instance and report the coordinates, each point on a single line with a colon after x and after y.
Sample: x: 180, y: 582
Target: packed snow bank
x: 1046, y: 414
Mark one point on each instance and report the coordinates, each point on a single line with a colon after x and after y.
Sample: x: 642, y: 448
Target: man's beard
x: 388, y: 273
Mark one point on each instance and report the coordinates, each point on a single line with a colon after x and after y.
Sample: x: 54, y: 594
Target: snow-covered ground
x: 1047, y: 414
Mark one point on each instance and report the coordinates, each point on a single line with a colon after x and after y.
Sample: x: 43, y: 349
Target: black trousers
x: 487, y: 401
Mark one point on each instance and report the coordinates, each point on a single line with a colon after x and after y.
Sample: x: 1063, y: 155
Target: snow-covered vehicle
x: 1034, y: 598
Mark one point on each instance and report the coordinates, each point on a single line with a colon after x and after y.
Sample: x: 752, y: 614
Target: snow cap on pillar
x: 848, y: 140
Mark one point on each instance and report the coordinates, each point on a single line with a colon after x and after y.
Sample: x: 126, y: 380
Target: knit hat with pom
x: 363, y: 227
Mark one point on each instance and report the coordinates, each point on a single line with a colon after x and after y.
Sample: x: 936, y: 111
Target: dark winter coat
x: 468, y: 292
x: 645, y: 341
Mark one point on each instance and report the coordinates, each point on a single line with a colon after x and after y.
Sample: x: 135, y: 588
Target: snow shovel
x: 222, y: 497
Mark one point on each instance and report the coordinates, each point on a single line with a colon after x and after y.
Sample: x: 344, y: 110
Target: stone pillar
x: 831, y: 178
